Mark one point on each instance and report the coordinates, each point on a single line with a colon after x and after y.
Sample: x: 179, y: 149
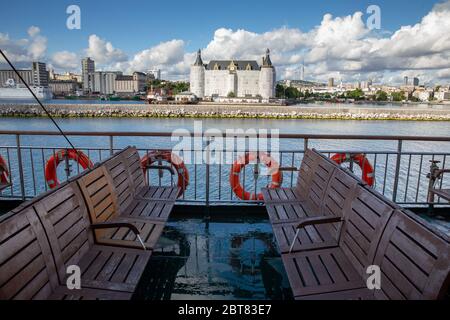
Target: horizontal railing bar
x: 205, y: 134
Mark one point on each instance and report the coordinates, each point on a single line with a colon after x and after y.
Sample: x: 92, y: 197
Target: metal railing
x: 401, y: 163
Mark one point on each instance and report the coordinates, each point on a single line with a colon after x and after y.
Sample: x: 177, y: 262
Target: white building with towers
x: 233, y: 78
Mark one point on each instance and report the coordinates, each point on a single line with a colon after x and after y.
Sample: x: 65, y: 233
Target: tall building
x: 239, y: 78
x: 102, y: 82
x: 416, y: 82
x: 406, y: 81
x: 156, y: 73
x: 126, y: 84
x: 331, y: 82
x: 40, y: 74
x: 87, y: 67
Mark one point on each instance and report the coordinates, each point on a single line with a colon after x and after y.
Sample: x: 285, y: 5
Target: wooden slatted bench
x: 101, y: 198
x: 414, y: 257
x: 136, y: 199
x: 52, y: 232
x: 336, y: 187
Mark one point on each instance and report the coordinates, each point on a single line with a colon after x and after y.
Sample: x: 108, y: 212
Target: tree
x: 381, y: 96
x: 398, y: 96
x: 231, y: 94
x: 356, y: 94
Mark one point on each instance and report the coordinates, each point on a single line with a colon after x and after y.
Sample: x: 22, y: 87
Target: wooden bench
x: 337, y: 189
x: 50, y: 233
x: 101, y: 198
x: 413, y: 257
x: 134, y: 197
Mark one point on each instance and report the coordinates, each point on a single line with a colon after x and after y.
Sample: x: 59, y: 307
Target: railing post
x: 305, y: 146
x: 207, y: 177
x: 111, y: 145
x: 397, y: 169
x: 19, y: 159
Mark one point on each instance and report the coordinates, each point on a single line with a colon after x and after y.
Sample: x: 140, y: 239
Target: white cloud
x: 65, y: 60
x: 24, y: 51
x: 103, y: 51
x: 341, y: 47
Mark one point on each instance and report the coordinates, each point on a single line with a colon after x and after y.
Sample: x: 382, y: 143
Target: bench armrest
x: 158, y: 167
x: 317, y: 221
x: 442, y: 171
x: 110, y: 225
x: 310, y: 222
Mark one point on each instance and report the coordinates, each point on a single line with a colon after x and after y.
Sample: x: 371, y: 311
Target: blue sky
x: 137, y: 34
x: 134, y: 25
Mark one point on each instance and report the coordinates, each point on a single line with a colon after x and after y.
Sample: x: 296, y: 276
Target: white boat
x: 13, y: 91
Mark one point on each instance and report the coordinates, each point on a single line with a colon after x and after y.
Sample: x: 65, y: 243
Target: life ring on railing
x: 51, y: 166
x: 241, y: 162
x: 174, y: 160
x: 361, y: 159
x: 4, y: 172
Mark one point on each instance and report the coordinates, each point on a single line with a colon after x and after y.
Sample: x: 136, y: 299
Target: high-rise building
x: 87, y: 67
x: 156, y: 73
x: 102, y: 82
x: 40, y: 74
x: 416, y: 82
x: 331, y: 82
x: 406, y: 81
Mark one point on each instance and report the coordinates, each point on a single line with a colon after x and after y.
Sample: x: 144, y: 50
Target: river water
x: 411, y: 189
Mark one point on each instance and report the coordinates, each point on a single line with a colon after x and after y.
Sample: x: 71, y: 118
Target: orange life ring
x: 241, y: 162
x: 174, y: 160
x: 4, y: 172
x: 361, y: 159
x: 51, y: 166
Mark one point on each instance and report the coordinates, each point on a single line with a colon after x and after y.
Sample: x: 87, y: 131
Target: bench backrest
x: 99, y: 194
x: 133, y: 164
x: 364, y: 222
x: 314, y: 176
x: 414, y: 259
x: 339, y: 194
x: 65, y: 219
x: 26, y: 267
x: 121, y: 179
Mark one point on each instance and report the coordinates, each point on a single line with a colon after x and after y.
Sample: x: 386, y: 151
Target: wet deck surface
x: 236, y: 259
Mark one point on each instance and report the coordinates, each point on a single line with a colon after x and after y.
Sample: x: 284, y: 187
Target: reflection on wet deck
x: 216, y: 260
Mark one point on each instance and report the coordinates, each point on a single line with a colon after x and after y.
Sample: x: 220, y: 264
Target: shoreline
x: 229, y: 111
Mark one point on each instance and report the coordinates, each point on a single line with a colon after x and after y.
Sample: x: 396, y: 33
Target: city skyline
x: 334, y: 42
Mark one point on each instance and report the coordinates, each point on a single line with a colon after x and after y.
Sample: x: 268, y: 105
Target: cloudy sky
x: 332, y: 38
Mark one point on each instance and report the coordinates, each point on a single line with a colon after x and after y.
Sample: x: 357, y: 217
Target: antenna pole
x: 37, y: 99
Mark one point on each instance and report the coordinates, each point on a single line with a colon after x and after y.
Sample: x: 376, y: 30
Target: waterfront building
x: 87, y: 67
x: 130, y: 84
x: 233, y: 78
x: 63, y: 87
x: 102, y: 82
x: 5, y: 75
x: 331, y: 82
x: 36, y: 76
x: 186, y: 97
x: 40, y: 74
x: 442, y: 95
x: 68, y: 76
